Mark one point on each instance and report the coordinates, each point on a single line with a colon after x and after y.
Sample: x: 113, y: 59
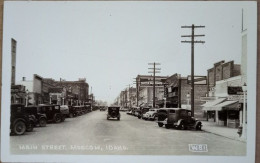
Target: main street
x: 92, y: 133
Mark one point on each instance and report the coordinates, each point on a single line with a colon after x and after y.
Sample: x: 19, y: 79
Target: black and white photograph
x: 142, y: 81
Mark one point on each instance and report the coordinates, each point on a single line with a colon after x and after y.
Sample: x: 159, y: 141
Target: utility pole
x: 137, y: 90
x: 192, y: 59
x: 154, y: 71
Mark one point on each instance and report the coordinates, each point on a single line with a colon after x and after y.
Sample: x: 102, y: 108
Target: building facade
x: 144, y: 90
x: 225, y: 95
x: 178, y: 89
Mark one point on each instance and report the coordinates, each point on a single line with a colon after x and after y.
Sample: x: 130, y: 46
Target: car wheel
x: 42, y: 122
x: 19, y: 128
x: 182, y: 126
x: 118, y: 118
x: 167, y: 126
x: 57, y: 118
x: 107, y: 118
x: 160, y: 124
x: 198, y: 127
x: 62, y: 118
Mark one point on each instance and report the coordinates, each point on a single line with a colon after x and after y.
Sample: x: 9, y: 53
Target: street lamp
x: 243, y: 136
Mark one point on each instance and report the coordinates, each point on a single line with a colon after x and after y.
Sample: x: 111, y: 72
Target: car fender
x: 179, y: 121
x: 197, y: 123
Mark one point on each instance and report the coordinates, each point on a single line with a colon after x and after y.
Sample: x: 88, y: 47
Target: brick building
x: 178, y: 89
x: 225, y: 94
x: 222, y: 71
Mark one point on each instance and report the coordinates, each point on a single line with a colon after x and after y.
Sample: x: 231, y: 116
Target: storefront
x: 224, y: 112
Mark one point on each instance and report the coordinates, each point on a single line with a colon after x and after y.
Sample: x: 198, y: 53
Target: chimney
x: 24, y: 78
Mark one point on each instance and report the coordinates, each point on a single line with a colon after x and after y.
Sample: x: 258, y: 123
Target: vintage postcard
x: 95, y: 81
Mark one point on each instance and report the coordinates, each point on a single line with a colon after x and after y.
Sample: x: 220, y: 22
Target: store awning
x: 227, y: 105
x: 210, y: 104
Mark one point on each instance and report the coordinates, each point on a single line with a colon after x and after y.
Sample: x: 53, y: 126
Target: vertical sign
x: 13, y: 53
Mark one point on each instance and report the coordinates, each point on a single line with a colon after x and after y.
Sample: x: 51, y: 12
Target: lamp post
x: 243, y: 136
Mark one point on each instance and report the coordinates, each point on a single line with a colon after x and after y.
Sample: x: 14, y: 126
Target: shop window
x: 211, y: 114
x: 222, y: 115
x: 232, y: 114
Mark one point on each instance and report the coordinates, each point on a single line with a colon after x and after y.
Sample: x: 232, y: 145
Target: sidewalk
x: 224, y: 131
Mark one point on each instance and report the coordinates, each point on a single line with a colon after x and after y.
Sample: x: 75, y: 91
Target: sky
x: 110, y: 43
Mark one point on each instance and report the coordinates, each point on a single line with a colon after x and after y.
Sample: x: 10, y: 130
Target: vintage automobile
x: 151, y: 114
x: 64, y: 111
x: 88, y: 107
x: 142, y: 111
x: 20, y: 121
x: 177, y: 118
x: 52, y: 112
x: 113, y: 112
x: 41, y: 119
x: 130, y: 112
x: 72, y: 111
x: 136, y: 111
x: 79, y: 110
x: 102, y: 108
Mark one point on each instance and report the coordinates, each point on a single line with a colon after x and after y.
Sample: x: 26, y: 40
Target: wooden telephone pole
x: 155, y: 70
x: 192, y: 59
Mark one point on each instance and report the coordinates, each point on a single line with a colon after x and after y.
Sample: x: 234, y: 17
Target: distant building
x: 144, y: 86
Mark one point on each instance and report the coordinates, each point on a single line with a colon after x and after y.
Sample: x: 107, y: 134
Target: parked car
x: 20, y: 121
x: 72, y: 112
x: 178, y: 118
x: 102, y: 108
x: 142, y: 111
x: 113, y: 112
x: 78, y: 110
x: 123, y: 109
x: 88, y: 106
x: 64, y: 111
x: 151, y: 114
x: 136, y: 111
x: 130, y: 112
x: 41, y: 119
x: 52, y: 112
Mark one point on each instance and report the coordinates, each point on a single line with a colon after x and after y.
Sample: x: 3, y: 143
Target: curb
x: 237, y: 139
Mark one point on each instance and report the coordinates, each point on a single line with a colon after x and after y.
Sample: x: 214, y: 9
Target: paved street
x: 92, y: 133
